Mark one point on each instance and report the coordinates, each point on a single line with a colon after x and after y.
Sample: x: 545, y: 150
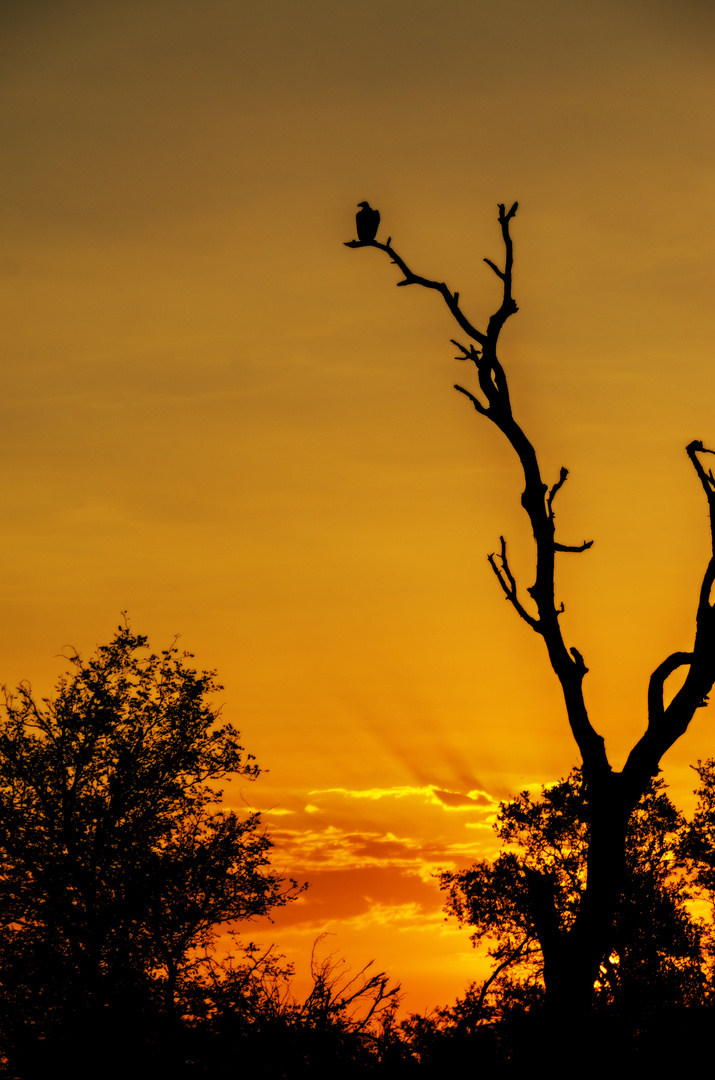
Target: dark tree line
x: 573, y: 949
x: 120, y: 870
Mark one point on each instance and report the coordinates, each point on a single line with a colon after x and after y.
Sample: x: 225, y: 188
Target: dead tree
x: 572, y: 956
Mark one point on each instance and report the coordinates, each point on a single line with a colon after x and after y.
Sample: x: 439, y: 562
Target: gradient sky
x: 218, y: 418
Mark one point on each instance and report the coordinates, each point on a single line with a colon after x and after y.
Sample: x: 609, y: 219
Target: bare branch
x: 706, y: 479
x: 575, y: 548
x: 451, y: 299
x: 467, y: 353
x: 508, y: 583
x: 704, y: 647
x: 508, y: 306
x: 556, y: 488
x: 475, y: 401
x: 579, y: 661
x: 495, y: 268
x: 666, y: 725
x: 656, y: 685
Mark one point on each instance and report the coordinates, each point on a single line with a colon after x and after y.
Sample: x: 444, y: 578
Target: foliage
x: 656, y: 949
x: 699, y: 840
x: 244, y: 1006
x: 117, y: 867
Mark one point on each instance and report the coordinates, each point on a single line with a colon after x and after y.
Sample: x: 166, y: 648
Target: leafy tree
x: 698, y: 841
x: 573, y: 949
x: 657, y: 948
x: 117, y: 868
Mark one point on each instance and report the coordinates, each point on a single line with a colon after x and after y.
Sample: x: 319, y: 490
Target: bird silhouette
x: 367, y: 221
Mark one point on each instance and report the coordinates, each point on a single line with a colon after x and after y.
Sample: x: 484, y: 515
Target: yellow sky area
x: 217, y: 417
x: 374, y: 893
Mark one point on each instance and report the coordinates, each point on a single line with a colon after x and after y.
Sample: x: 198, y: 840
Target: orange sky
x: 218, y: 418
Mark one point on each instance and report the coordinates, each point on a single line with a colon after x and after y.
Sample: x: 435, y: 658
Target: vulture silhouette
x: 367, y: 221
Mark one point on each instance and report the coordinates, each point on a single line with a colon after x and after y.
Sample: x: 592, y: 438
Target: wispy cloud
x: 430, y: 793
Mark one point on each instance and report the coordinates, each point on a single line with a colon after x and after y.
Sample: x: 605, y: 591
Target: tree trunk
x: 572, y: 960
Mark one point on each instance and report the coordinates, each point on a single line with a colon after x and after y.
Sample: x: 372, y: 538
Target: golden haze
x: 217, y: 417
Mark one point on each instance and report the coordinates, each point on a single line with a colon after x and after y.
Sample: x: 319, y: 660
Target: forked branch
x: 667, y: 723
x: 656, y: 686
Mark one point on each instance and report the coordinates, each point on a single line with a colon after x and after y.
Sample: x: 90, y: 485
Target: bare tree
x: 573, y: 954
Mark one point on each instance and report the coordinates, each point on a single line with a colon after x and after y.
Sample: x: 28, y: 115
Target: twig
x: 508, y: 583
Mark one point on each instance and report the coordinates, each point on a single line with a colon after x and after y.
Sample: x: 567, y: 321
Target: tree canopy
x: 657, y: 950
x: 118, y: 866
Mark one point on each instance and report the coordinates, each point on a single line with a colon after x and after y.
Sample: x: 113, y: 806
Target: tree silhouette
x: 573, y: 952
x: 698, y: 843
x: 658, y: 949
x: 117, y: 866
x: 244, y: 1008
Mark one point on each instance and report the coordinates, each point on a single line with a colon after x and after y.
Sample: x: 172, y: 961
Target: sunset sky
x: 218, y: 418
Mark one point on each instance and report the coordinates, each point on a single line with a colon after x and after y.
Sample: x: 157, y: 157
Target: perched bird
x: 367, y: 221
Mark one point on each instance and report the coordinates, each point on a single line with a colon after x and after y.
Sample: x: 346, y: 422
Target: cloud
x: 397, y: 792
x: 453, y: 800
x: 336, y: 895
x: 387, y: 848
x: 430, y: 793
x: 371, y: 857
x: 409, y: 830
